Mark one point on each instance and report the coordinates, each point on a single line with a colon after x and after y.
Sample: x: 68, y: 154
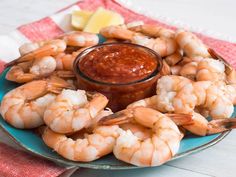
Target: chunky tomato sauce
x: 118, y: 64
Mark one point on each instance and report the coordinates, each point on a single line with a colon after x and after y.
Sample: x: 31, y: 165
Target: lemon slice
x: 80, y: 18
x: 102, y: 18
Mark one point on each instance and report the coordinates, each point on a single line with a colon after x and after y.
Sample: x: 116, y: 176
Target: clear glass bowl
x: 119, y: 95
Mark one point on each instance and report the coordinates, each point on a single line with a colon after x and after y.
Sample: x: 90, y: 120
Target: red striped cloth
x: 17, y: 163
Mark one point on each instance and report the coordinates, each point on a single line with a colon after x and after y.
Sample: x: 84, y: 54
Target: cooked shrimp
x: 26, y: 72
x: 89, y: 148
x: 191, y: 45
x: 71, y: 111
x: 152, y: 151
x: 211, y: 70
x: 163, y: 46
x: 189, y: 70
x: 20, y: 73
x: 98, y: 117
x: 175, y: 70
x: 153, y: 31
x: 181, y: 95
x: 202, y: 127
x: 50, y: 48
x: 65, y: 61
x: 24, y: 106
x: 138, y: 130
x: 29, y: 47
x: 230, y: 91
x: 187, y: 60
x: 117, y: 32
x: 80, y: 39
x: 174, y: 58
x: 143, y: 132
x: 207, y: 69
x: 230, y: 75
x: 167, y: 88
x: 205, y: 94
x: 229, y: 70
x: 165, y: 70
x: 42, y: 67
x: 56, y: 46
x: 187, y: 66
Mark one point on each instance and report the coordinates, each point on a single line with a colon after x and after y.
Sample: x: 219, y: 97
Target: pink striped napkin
x: 17, y: 163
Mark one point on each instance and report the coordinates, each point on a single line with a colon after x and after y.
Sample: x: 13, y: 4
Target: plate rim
x: 68, y: 163
x: 65, y: 162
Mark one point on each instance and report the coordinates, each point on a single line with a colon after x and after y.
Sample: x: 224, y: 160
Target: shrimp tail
x: 56, y: 85
x: 217, y: 56
x: 181, y: 119
x: 64, y: 74
x: 229, y: 70
x: 221, y: 125
x: 11, y: 63
x: 121, y: 117
x: 39, y: 131
x: 165, y: 69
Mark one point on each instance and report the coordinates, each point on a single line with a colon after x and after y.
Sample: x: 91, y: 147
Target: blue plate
x: 34, y: 144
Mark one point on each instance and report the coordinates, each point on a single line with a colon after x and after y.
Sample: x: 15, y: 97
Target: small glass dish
x: 119, y: 94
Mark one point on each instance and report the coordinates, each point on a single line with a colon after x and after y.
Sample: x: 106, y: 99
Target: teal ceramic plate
x: 33, y: 143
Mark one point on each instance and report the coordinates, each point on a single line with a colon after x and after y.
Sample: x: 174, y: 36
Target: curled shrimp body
x: 59, y: 65
x: 155, y: 150
x: 181, y: 95
x: 229, y: 70
x: 65, y: 61
x: 230, y: 91
x: 191, y: 45
x: 24, y: 106
x: 210, y: 69
x: 189, y: 70
x: 138, y: 130
x: 20, y: 73
x: 41, y: 56
x: 167, y: 88
x: 163, y: 46
x: 50, y: 48
x: 28, y: 47
x: 40, y: 68
x: 174, y: 58
x: 117, y: 32
x: 166, y: 91
x: 37, y: 63
x: 207, y: 69
x: 93, y: 146
x: 153, y: 31
x: 200, y: 126
x: 71, y: 111
x: 207, y: 95
x: 80, y: 39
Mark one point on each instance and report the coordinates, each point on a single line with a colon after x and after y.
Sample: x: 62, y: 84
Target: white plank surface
x: 218, y: 160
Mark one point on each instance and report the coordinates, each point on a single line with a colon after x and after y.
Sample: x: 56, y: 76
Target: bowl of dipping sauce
x: 123, y: 72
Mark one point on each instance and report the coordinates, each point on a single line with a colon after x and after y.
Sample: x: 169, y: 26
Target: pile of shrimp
x: 196, y: 83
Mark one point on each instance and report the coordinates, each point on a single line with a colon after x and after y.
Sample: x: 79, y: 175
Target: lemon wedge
x: 80, y: 18
x: 102, y: 18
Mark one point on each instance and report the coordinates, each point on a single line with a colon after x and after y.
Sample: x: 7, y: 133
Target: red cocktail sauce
x: 118, y: 64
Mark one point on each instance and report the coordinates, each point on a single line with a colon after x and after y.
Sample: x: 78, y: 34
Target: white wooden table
x: 218, y: 160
